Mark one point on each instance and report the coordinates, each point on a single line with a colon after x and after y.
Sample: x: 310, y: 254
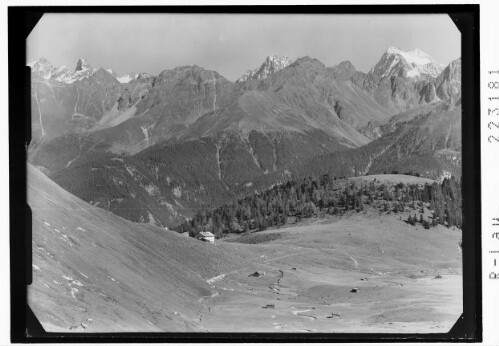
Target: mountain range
x: 155, y: 149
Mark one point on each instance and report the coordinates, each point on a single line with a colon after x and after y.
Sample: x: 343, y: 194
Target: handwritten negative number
x: 496, y: 139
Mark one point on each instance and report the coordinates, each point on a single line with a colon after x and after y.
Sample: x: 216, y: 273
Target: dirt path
x: 353, y: 259
x: 223, y: 275
x: 281, y: 257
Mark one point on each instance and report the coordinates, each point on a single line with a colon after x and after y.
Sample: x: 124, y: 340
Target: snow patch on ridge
x: 127, y: 78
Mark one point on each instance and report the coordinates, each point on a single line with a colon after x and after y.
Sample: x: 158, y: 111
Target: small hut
x: 206, y: 236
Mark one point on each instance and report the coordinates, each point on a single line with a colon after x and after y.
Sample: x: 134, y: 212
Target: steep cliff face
x: 449, y: 82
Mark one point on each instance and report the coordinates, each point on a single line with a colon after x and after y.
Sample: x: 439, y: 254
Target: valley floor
x: 310, y: 271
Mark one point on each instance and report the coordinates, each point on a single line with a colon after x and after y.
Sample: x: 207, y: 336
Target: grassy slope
x: 379, y: 243
x: 92, y: 267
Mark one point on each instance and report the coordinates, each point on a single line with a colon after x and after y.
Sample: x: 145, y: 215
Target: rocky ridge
x: 271, y: 65
x: 42, y: 68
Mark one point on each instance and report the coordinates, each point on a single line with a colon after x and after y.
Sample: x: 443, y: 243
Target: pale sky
x: 231, y: 44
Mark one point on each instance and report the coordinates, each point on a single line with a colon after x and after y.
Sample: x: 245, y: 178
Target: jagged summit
x: 143, y: 75
x: 272, y: 64
x: 83, y: 70
x: 40, y: 62
x: 276, y: 58
x: 44, y: 69
x: 82, y: 65
x: 411, y: 64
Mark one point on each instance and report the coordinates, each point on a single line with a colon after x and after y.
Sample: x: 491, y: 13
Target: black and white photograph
x: 246, y: 173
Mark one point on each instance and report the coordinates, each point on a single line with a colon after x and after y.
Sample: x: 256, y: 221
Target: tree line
x: 317, y: 197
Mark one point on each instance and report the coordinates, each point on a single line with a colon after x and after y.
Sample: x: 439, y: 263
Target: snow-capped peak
x: 393, y: 50
x: 416, y: 56
x: 412, y: 64
x: 272, y: 64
